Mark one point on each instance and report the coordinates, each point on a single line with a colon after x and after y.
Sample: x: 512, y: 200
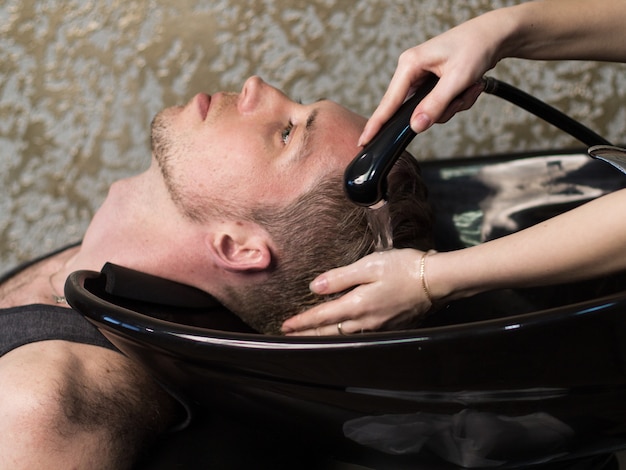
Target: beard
x: 188, y: 197
x: 161, y: 144
x: 165, y: 153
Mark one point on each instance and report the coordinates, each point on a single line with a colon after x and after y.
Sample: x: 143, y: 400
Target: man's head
x: 254, y: 146
x: 263, y: 176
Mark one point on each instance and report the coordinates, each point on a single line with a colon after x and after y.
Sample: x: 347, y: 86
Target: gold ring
x: 339, y: 329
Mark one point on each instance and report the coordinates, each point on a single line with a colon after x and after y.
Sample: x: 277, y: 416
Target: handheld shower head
x: 365, y: 178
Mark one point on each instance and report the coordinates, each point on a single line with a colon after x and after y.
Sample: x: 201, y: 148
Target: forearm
x: 563, y: 29
x: 586, y: 242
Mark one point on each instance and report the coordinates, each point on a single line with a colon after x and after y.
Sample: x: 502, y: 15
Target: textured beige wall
x: 80, y: 81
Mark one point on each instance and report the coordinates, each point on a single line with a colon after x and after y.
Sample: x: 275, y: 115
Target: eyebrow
x: 305, y: 148
x: 311, y: 119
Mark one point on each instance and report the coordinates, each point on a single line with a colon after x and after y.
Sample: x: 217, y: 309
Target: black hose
x: 544, y: 111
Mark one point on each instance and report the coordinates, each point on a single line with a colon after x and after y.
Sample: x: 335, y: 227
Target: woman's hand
x: 459, y: 57
x: 540, y: 30
x: 388, y: 293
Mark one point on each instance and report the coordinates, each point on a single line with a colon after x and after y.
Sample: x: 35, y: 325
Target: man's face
x: 255, y: 147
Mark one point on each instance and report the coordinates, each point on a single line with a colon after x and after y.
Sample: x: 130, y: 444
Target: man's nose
x: 251, y: 94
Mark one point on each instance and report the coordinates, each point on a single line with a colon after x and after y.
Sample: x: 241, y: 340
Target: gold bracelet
x: 423, y: 275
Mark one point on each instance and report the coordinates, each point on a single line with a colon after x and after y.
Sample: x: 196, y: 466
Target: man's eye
x: 284, y: 135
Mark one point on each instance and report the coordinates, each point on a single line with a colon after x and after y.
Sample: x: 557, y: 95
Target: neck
x: 139, y: 227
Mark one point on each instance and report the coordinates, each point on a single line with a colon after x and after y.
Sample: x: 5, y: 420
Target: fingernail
x: 420, y: 123
x: 319, y: 285
x: 364, y: 137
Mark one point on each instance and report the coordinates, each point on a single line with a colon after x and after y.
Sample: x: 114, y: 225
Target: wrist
x: 446, y: 276
x: 422, y: 276
x: 506, y: 28
x: 434, y: 282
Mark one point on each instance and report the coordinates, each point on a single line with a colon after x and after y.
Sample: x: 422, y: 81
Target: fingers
x: 448, y: 97
x: 444, y: 101
x: 428, y: 111
x: 323, y: 319
x: 343, y: 328
x: 320, y: 319
x: 455, y: 91
x: 402, y: 84
x: 343, y: 278
x: 384, y: 288
x: 464, y: 101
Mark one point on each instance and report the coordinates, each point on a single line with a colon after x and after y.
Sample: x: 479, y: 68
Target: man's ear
x: 240, y: 246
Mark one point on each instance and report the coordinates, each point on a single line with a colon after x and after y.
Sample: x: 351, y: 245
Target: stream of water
x: 380, y: 224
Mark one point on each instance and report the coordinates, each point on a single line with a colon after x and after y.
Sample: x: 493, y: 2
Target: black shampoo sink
x: 506, y: 379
